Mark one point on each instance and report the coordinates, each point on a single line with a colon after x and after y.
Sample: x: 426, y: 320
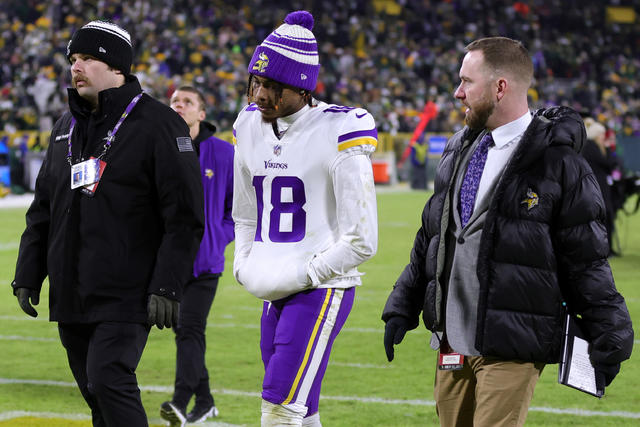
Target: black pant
x: 418, y: 176
x: 103, y: 358
x: 192, y: 376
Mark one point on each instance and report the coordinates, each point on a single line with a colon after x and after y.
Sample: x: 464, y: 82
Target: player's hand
x: 394, y: 332
x: 162, y: 311
x: 26, y: 294
x: 605, y: 374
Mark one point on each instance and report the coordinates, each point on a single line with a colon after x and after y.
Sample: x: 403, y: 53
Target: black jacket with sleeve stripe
x: 137, y: 235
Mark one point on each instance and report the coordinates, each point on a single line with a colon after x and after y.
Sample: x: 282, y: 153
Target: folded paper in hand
x: 575, y: 368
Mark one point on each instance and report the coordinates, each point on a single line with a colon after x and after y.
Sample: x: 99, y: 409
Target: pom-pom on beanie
x: 105, y: 41
x: 289, y: 54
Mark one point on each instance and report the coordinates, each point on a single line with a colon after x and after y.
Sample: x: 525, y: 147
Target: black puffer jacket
x: 533, y: 257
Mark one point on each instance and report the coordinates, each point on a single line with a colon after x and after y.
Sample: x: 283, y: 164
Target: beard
x: 477, y: 117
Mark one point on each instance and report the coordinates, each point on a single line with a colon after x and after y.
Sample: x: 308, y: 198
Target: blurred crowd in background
x: 391, y: 56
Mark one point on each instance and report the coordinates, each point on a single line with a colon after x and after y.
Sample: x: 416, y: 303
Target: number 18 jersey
x: 304, y: 204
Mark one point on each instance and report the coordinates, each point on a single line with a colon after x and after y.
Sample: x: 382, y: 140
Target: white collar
x: 506, y: 133
x: 285, y: 122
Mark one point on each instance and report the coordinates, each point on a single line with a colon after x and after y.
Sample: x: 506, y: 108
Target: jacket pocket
x: 429, y: 316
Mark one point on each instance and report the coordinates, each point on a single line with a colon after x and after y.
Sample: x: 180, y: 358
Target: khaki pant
x: 486, y: 392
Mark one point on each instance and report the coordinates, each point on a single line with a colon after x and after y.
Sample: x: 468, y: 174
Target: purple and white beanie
x: 289, y: 54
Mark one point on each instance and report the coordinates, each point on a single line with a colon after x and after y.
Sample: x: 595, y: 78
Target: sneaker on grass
x: 200, y: 413
x: 170, y: 412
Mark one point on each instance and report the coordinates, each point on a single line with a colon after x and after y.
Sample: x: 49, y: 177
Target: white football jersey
x: 304, y: 205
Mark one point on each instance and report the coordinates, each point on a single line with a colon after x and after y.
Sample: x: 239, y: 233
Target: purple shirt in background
x: 216, y: 168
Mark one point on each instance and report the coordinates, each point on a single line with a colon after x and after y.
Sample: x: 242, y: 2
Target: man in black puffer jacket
x: 512, y: 237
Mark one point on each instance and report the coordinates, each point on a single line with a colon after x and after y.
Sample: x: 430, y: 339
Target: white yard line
x: 23, y: 338
x: 377, y: 400
x: 361, y: 365
x: 8, y: 246
x: 17, y: 414
x: 210, y: 325
x: 16, y: 201
x: 24, y: 317
x: 4, y: 416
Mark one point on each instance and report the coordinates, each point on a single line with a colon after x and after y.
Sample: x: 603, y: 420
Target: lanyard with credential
x: 86, y: 174
x: 110, y: 135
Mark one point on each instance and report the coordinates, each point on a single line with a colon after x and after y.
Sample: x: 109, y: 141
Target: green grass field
x: 360, y: 388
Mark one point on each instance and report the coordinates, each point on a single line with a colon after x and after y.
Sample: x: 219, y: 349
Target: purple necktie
x: 472, y: 177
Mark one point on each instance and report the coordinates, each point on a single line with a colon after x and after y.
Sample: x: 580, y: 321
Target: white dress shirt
x: 505, y: 141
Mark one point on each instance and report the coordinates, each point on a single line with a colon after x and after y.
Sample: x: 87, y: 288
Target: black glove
x: 23, y: 295
x: 605, y: 374
x: 163, y: 311
x: 394, y: 332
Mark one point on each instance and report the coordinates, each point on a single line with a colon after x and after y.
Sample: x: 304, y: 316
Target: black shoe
x: 170, y: 412
x: 200, y: 414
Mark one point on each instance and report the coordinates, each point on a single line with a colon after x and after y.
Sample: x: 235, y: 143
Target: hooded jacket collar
x: 551, y: 126
x: 111, y: 101
x: 563, y: 126
x: 206, y: 131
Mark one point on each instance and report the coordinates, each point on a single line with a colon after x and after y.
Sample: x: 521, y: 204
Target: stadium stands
x: 391, y: 56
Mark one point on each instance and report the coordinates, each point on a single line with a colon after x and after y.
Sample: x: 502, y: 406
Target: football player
x: 305, y: 216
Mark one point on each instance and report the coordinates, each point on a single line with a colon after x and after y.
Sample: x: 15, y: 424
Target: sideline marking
x: 415, y: 402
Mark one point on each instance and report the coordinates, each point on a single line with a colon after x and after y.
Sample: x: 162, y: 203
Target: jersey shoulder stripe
x: 355, y: 126
x: 359, y: 137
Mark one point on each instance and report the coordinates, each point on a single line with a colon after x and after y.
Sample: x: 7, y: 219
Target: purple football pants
x: 297, y: 333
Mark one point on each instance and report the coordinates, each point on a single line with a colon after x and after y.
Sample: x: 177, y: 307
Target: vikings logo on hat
x: 262, y: 63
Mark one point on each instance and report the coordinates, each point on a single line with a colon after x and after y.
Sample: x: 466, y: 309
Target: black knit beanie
x: 105, y: 41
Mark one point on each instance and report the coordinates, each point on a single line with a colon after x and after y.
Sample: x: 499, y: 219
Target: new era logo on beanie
x: 290, y: 53
x: 104, y: 41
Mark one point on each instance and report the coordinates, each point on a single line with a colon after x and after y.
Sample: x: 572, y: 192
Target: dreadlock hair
x: 279, y: 87
x: 307, y: 96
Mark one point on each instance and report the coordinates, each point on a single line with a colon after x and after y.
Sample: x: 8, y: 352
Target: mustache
x: 76, y: 79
